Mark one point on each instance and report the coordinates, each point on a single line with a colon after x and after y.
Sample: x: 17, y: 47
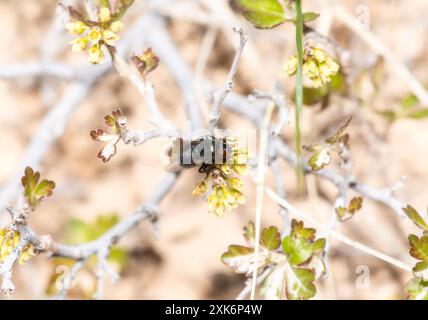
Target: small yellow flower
x: 238, y: 196
x: 225, y: 169
x: 26, y: 254
x: 319, y: 54
x: 95, y: 35
x: 318, y: 67
x: 110, y: 37
x: 77, y: 27
x: 96, y: 55
x: 200, y: 188
x: 291, y: 65
x: 8, y: 242
x: 333, y: 65
x: 105, y: 14
x: 79, y: 44
x: 236, y: 183
x: 310, y: 69
x: 240, y: 169
x: 116, y: 26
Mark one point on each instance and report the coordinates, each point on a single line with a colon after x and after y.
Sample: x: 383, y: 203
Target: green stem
x: 301, y: 181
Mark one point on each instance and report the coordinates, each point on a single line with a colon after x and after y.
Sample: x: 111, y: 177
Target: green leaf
x: 419, y: 114
x: 389, y: 115
x: 242, y: 259
x: 120, y: 257
x: 264, y: 14
x: 298, y: 250
x: 299, y: 245
x: 299, y: 283
x: 417, y: 289
x: 270, y: 238
x: 79, y: 231
x: 419, y: 247
x: 298, y: 230
x: 310, y: 16
x: 409, y: 102
x: 421, y: 270
x: 354, y: 205
x: 415, y: 217
x: 34, y: 191
x: 44, y: 188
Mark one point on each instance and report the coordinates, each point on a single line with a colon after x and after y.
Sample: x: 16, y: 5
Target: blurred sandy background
x: 183, y: 262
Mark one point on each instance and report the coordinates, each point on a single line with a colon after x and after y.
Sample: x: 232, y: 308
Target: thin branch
x: 261, y: 176
x: 166, y: 49
x: 146, y: 211
x: 6, y: 267
x: 37, y: 69
x: 222, y: 93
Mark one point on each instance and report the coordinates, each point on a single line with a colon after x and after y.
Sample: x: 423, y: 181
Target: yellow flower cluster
x: 94, y: 35
x: 226, y: 191
x: 318, y: 67
x: 8, y: 241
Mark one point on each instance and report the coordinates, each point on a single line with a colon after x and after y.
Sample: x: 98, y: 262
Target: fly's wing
x: 176, y: 153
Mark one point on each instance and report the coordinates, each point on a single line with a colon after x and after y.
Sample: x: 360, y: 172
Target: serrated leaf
x: 419, y: 247
x: 242, y: 259
x: 299, y: 283
x: 299, y: 246
x: 270, y: 238
x: 44, y: 188
x: 354, y: 205
x: 263, y: 14
x: 250, y: 233
x: 35, y: 191
x: 146, y: 63
x: 298, y: 230
x: 113, y: 121
x: 415, y: 217
x: 111, y: 138
x: 310, y: 16
x: 417, y: 289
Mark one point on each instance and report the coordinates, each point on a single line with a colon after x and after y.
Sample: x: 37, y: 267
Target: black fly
x: 204, y: 152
